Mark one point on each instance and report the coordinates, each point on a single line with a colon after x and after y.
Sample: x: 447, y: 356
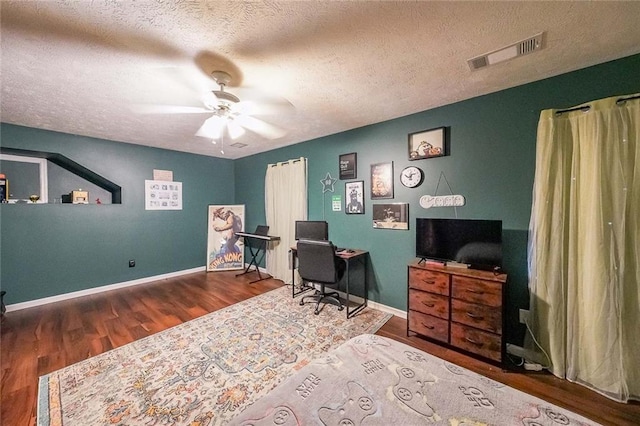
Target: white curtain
x: 285, y: 192
x: 584, y: 248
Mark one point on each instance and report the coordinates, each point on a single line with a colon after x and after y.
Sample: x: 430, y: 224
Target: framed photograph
x: 391, y: 216
x: 382, y: 181
x: 348, y: 166
x: 225, y: 250
x: 428, y: 144
x: 354, y: 197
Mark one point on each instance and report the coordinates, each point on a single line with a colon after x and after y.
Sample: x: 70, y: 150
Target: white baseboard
x: 375, y: 305
x: 96, y: 290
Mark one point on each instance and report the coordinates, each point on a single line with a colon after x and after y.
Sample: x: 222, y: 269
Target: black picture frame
x: 348, y: 166
x: 428, y: 143
x: 382, y: 181
x: 354, y: 197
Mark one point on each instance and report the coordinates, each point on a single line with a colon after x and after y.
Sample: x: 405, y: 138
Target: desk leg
x: 361, y: 306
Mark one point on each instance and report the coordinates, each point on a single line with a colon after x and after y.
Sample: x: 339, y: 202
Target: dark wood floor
x: 39, y: 340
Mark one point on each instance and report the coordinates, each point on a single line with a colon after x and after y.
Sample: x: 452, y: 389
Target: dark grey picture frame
x: 428, y: 143
x: 348, y: 166
x: 382, y: 180
x: 391, y: 216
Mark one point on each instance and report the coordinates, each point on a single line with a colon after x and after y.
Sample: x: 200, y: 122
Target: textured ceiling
x: 83, y: 67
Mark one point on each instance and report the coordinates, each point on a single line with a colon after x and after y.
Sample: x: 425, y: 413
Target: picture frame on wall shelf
x: 348, y: 166
x: 382, y: 180
x: 391, y: 216
x: 428, y: 144
x: 354, y: 197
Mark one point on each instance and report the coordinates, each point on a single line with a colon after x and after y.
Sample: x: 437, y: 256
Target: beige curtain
x: 285, y: 202
x: 585, y: 245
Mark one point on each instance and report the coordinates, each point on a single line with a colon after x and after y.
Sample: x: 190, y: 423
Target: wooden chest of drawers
x: 463, y: 308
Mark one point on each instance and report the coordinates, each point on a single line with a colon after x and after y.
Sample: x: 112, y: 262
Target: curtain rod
x: 586, y: 108
x: 621, y: 101
x: 287, y: 162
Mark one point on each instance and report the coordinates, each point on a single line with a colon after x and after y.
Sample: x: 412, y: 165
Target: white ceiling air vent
x: 514, y: 50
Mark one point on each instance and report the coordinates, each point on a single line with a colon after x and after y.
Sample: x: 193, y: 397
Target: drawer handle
x: 474, y: 316
x: 430, y: 327
x: 429, y: 281
x: 428, y: 305
x: 473, y: 341
x: 470, y: 290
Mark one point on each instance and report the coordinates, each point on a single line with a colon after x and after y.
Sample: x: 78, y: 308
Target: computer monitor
x: 312, y: 230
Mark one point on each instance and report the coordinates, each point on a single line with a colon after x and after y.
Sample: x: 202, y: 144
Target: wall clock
x: 411, y: 176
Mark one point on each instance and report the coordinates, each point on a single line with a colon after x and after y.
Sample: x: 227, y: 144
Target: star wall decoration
x: 327, y: 183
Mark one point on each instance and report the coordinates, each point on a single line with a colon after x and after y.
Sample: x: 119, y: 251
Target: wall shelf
x: 73, y: 167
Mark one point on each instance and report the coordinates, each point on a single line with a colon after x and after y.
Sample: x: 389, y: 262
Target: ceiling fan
x: 230, y: 116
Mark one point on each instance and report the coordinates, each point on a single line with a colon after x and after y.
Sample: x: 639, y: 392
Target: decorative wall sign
x: 336, y: 203
x: 327, y: 183
x: 382, y: 180
x: 428, y: 201
x: 354, y: 197
x: 428, y: 144
x: 391, y: 216
x: 348, y: 166
x: 225, y: 251
x: 162, y: 195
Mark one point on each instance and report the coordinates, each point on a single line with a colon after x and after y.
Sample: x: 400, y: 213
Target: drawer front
x: 429, y: 326
x: 429, y: 303
x: 477, y: 291
x: 487, y: 318
x: 479, y: 342
x: 434, y: 282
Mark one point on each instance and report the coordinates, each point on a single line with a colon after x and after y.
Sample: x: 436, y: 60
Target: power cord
x: 534, y: 366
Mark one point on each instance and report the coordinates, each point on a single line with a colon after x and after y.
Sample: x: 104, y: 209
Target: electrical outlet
x: 524, y: 316
x: 132, y: 263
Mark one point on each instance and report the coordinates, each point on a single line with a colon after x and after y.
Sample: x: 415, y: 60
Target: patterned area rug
x: 202, y: 372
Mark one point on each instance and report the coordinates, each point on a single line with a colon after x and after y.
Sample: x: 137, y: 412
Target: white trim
x: 43, y: 178
x: 370, y: 303
x: 375, y: 305
x: 96, y: 290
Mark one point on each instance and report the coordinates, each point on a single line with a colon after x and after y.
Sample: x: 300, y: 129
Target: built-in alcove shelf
x: 73, y: 167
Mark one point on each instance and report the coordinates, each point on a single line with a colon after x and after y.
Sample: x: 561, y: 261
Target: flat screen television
x: 312, y: 230
x: 476, y: 243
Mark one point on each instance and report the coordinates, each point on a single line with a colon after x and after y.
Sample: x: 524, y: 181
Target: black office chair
x: 318, y: 263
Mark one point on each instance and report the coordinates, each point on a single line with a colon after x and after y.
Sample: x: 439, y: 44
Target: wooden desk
x: 259, y: 249
x: 356, y: 255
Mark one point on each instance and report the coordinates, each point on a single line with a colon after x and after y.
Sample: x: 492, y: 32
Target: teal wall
x: 52, y: 249
x: 491, y: 163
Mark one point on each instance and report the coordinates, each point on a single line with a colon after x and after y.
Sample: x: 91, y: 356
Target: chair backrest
x: 317, y: 261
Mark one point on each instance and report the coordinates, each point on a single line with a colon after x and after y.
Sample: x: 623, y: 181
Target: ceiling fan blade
x: 260, y: 127
x: 252, y: 107
x: 169, y: 109
x: 212, y: 128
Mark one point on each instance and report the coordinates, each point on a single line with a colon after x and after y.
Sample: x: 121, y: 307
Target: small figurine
x: 98, y: 201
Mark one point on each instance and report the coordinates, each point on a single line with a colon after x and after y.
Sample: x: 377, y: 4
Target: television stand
x: 458, y: 307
